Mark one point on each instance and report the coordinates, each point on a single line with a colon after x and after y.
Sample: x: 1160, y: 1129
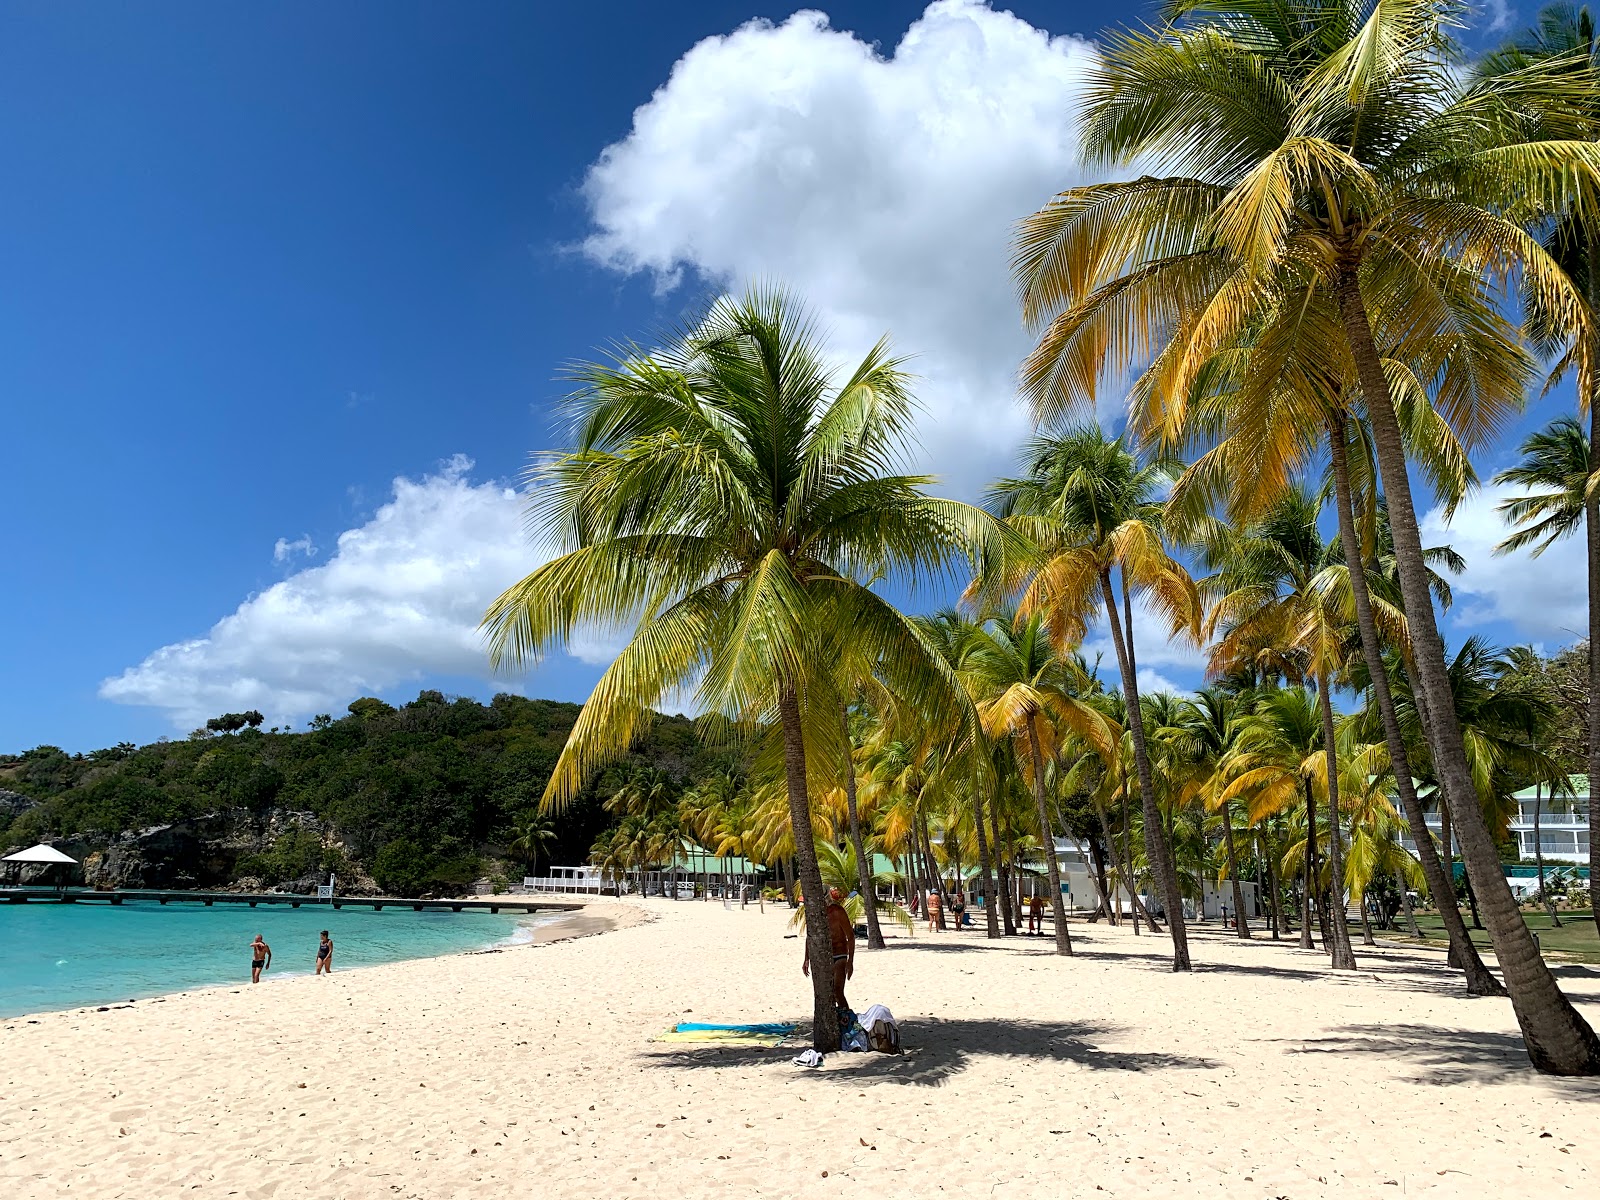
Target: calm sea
x: 68, y: 955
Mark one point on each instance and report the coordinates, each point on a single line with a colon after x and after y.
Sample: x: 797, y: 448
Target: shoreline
x: 1264, y: 1073
x: 560, y: 921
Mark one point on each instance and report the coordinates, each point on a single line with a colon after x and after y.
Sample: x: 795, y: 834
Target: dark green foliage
x: 417, y: 793
x: 293, y: 855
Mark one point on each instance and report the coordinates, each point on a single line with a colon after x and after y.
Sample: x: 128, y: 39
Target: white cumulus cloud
x: 882, y: 188
x: 1543, y: 599
x: 401, y: 597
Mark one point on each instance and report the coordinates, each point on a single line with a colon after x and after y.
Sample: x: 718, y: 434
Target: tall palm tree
x: 1562, y: 481
x: 1029, y: 692
x: 1564, y: 37
x: 1090, y: 511
x: 1331, y: 150
x: 727, y: 497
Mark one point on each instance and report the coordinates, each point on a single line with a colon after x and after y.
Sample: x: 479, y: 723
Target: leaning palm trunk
x: 863, y: 870
x: 1480, y: 982
x: 1156, y: 850
x: 1558, y: 1039
x: 1242, y: 925
x: 819, y: 948
x: 1343, y: 955
x: 1047, y: 843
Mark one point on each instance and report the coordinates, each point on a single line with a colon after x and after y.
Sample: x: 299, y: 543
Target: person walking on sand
x: 325, y: 955
x: 260, y: 958
x: 935, y: 909
x: 842, y: 937
x: 1036, y: 913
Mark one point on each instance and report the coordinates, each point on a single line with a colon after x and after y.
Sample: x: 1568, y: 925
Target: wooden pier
x: 493, y: 904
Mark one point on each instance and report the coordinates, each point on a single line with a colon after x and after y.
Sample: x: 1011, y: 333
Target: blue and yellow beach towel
x: 701, y: 1033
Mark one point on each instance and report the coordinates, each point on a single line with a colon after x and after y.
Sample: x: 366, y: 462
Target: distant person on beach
x: 842, y: 938
x: 260, y: 958
x: 325, y: 955
x: 958, y: 906
x: 1035, y: 914
x: 935, y: 911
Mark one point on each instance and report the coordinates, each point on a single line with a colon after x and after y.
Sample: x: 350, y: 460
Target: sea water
x: 56, y: 956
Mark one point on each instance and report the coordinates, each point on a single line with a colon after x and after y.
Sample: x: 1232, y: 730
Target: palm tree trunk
x: 1047, y: 845
x: 1008, y: 923
x: 819, y: 948
x: 1366, y: 926
x: 1274, y: 893
x: 1127, y: 861
x: 985, y: 879
x: 1156, y: 851
x: 1097, y: 852
x: 1242, y: 925
x: 1343, y: 954
x: 863, y: 868
x: 1310, y: 873
x: 1538, y: 857
x: 1559, y: 1040
x: 935, y: 879
x: 1591, y: 525
x: 1480, y: 981
x: 1110, y: 849
x: 1411, y: 917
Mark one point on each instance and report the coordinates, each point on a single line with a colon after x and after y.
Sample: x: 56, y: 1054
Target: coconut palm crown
x: 727, y: 498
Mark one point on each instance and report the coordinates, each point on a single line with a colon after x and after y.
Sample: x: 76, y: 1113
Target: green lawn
x: 1575, y: 941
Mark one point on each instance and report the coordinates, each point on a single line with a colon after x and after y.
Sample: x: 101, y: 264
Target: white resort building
x: 1563, y: 824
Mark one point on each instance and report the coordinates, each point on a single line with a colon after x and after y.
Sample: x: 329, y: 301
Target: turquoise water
x: 68, y: 955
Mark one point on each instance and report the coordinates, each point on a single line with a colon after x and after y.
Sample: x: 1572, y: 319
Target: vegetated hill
x: 420, y: 799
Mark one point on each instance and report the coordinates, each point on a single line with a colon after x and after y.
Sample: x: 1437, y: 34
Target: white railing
x: 589, y: 884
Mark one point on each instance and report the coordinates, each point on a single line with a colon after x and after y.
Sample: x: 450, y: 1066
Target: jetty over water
x: 492, y: 904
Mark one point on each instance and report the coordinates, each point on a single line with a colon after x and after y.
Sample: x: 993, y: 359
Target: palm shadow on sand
x: 936, y: 1050
x: 1446, y: 1056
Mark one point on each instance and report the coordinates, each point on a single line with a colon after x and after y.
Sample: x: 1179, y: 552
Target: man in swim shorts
x: 842, y: 937
x: 260, y: 958
x: 325, y: 955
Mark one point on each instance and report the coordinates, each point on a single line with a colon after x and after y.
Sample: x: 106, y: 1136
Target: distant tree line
x: 424, y: 797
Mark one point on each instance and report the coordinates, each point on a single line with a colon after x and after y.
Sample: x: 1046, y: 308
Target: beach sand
x: 530, y: 1072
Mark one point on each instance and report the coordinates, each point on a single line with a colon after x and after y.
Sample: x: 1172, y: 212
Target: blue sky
x: 289, y: 289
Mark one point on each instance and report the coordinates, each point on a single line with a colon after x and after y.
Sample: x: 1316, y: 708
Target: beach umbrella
x: 39, y: 855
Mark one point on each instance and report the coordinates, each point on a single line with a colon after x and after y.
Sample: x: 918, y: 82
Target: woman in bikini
x: 325, y: 955
x: 260, y: 958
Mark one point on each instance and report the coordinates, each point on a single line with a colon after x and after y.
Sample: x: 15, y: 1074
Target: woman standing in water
x: 325, y: 955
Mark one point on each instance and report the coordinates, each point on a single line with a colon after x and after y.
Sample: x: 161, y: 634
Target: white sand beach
x: 530, y: 1072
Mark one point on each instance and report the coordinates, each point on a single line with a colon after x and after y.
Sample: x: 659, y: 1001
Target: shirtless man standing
x: 260, y: 958
x: 842, y: 937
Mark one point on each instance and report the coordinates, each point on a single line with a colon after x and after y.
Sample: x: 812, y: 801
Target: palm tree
x: 1025, y: 690
x: 727, y: 497
x: 1330, y: 150
x: 531, y: 835
x: 1207, y: 724
x: 840, y: 870
x: 1564, y: 38
x: 1560, y: 473
x: 1089, y: 510
x: 1276, y: 617
x: 646, y: 792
